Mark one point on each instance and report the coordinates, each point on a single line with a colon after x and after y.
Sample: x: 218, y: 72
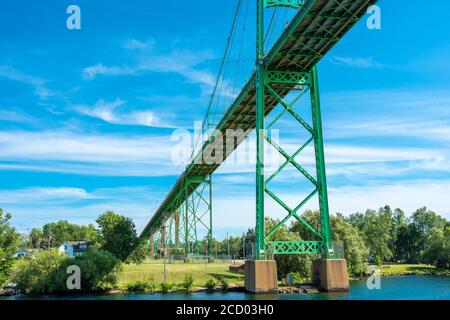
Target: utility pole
x: 243, y: 246
x: 210, y: 219
x: 228, y: 242
x: 206, y: 254
x: 163, y: 240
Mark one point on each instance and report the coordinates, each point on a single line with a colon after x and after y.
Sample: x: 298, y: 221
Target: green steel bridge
x: 289, y: 67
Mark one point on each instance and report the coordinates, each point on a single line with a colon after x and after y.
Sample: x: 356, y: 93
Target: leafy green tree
x: 86, y: 233
x: 9, y: 242
x: 355, y: 249
x: 99, y: 269
x: 413, y: 235
x: 38, y: 275
x: 236, y: 248
x: 342, y: 231
x: 406, y: 244
x: 357, y: 220
x: 300, y: 264
x: 424, y: 221
x: 400, y: 243
x: 37, y: 239
x: 46, y: 272
x: 56, y: 233
x: 437, y: 252
x: 377, y: 230
x: 117, y: 234
x: 139, y: 254
x: 400, y: 219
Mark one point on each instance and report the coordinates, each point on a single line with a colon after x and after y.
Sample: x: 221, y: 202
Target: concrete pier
x: 261, y: 276
x: 331, y: 275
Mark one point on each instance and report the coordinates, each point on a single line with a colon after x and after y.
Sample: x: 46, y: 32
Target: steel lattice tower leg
x: 260, y: 134
x: 320, y: 165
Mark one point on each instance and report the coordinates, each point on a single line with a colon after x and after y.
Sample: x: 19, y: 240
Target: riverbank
x: 152, y: 270
x: 392, y: 288
x: 148, y: 278
x: 201, y: 272
x: 8, y: 292
x: 393, y: 270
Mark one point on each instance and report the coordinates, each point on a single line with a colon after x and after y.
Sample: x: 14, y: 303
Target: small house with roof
x: 74, y: 248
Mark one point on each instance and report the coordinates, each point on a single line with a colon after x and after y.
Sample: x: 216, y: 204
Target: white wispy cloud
x: 17, y: 116
x: 409, y: 195
x: 182, y: 62
x: 109, y: 112
x: 91, y: 72
x: 403, y: 113
x: 82, y: 215
x: 244, y: 158
x: 234, y: 204
x: 92, y: 154
x: 435, y: 130
x: 356, y: 62
x: 33, y: 207
x: 43, y: 194
x: 186, y: 63
x: 154, y: 155
x: 135, y: 44
x: 38, y: 84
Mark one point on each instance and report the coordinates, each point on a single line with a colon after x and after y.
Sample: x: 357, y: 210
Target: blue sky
x: 86, y: 116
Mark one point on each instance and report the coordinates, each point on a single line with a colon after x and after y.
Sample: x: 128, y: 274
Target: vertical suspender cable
x: 222, y: 64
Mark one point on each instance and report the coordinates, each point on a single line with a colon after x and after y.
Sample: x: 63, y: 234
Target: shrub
x: 166, y: 286
x: 188, y: 282
x: 9, y: 243
x: 210, y: 284
x: 298, y: 278
x: 141, y: 286
x: 98, y: 269
x: 138, y: 255
x: 47, y: 271
x: 40, y: 274
x: 299, y: 264
x: 224, y: 284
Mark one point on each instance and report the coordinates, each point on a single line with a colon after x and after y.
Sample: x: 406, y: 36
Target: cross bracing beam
x: 323, y: 244
x: 181, y: 229
x: 312, y: 33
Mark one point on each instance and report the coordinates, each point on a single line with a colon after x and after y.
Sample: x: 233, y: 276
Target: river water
x: 392, y: 288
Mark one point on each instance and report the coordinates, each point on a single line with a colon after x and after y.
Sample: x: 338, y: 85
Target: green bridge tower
x: 270, y: 84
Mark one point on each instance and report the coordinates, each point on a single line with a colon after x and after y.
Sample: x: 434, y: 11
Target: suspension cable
x: 244, y: 30
x: 222, y: 64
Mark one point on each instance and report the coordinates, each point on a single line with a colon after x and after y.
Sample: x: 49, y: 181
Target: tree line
x: 373, y: 237
x: 113, y: 242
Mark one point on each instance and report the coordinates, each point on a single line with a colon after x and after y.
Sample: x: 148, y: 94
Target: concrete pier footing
x: 331, y: 275
x: 261, y: 276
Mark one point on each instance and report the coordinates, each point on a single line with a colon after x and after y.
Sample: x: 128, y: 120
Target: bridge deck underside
x: 312, y: 33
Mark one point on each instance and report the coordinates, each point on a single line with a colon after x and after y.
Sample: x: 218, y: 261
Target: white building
x: 74, y: 248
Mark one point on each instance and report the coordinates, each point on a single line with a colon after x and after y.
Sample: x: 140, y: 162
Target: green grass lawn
x: 153, y: 271
x: 176, y: 273
x: 402, y: 269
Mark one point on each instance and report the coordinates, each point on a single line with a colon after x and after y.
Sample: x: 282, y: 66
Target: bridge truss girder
x: 189, y: 222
